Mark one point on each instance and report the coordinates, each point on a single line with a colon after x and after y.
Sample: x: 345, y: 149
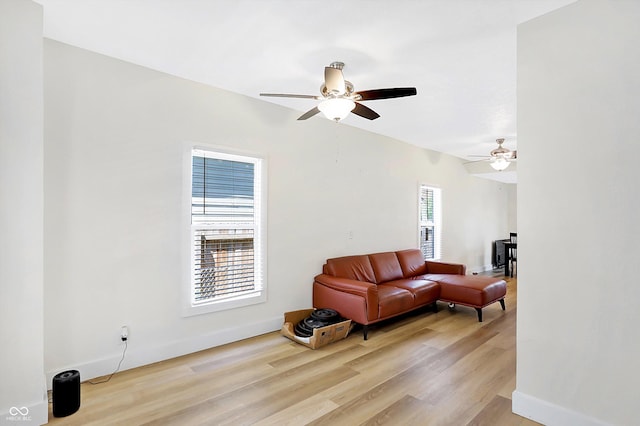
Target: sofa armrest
x: 445, y: 268
x: 360, y: 288
x: 356, y: 300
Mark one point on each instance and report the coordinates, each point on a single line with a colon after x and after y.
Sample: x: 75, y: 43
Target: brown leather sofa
x: 371, y: 288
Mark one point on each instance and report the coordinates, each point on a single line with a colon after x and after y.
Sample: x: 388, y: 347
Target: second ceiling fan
x: 339, y: 98
x: 499, y: 157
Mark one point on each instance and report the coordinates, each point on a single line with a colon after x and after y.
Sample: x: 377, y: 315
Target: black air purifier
x: 66, y: 393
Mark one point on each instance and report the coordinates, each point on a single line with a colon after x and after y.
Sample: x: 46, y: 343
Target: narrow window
x: 226, y: 230
x: 429, y: 219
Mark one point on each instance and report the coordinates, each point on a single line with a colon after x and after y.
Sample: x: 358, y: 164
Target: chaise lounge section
x: 374, y: 287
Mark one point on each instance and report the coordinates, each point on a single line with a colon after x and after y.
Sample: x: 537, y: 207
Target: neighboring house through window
x: 430, y: 221
x: 226, y: 231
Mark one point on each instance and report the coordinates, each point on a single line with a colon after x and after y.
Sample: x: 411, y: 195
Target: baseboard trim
x: 480, y: 269
x: 547, y: 413
x: 139, y: 356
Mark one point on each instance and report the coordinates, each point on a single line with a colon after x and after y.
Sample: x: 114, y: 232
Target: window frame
x: 435, y: 223
x: 259, y: 295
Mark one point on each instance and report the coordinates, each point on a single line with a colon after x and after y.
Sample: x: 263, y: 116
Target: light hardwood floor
x: 426, y: 368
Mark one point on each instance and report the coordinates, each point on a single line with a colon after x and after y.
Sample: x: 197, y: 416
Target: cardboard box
x: 321, y: 336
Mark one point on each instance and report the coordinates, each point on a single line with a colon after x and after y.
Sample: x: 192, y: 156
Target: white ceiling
x: 459, y: 54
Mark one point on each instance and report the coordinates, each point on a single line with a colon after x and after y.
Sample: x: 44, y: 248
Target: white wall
x: 116, y: 220
x: 22, y: 382
x: 578, y: 359
x: 512, y: 208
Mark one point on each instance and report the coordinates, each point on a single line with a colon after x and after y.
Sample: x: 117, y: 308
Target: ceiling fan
x: 499, y: 157
x: 339, y: 98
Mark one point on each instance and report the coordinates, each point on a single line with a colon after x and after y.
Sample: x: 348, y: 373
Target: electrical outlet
x: 124, y: 333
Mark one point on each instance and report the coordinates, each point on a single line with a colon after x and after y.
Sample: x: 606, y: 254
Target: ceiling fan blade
x: 334, y: 80
x: 365, y: 112
x: 398, y: 92
x: 287, y: 95
x: 309, y: 113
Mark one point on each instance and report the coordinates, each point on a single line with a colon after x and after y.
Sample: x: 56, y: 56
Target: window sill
x: 223, y: 305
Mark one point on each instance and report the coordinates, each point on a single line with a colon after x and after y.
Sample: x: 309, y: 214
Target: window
x: 226, y: 230
x: 429, y: 219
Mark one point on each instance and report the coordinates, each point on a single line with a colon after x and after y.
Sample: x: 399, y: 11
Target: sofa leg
x: 502, y: 304
x: 479, y: 311
x: 435, y: 307
x: 365, y: 330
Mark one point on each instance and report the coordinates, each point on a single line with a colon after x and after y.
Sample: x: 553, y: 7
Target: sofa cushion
x: 385, y: 266
x: 412, y: 262
x: 393, y: 301
x: 424, y: 292
x: 430, y: 277
x: 352, y: 267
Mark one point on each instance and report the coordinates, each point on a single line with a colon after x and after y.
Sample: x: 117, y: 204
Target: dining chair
x: 513, y: 249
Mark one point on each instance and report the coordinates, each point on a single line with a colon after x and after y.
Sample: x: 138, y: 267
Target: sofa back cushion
x: 412, y: 262
x: 352, y: 267
x: 385, y: 266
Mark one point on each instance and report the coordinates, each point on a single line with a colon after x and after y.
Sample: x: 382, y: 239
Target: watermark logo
x: 18, y: 414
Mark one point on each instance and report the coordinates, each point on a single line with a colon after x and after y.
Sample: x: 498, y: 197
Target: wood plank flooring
x: 425, y: 368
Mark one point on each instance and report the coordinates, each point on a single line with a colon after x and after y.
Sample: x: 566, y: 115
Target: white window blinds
x: 225, y: 222
x: 429, y: 219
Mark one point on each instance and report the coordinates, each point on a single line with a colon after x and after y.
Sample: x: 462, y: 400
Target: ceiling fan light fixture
x: 499, y: 163
x: 336, y: 108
